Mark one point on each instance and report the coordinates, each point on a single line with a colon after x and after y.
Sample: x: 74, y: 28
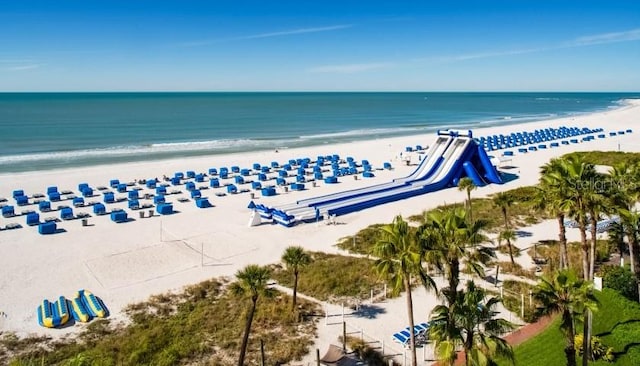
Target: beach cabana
x: 122, y: 187
x: 224, y: 174
x: 178, y: 175
x: 235, y: 169
x: 265, y: 169
x: 52, y: 189
x: 8, y: 211
x: 297, y: 186
x: 151, y: 183
x: 268, y: 191
x: 113, y: 183
x: 231, y: 188
x: 262, y: 177
x: 281, y: 182
x: 191, y: 174
x: 54, y: 196
x: 196, y: 193
x: 387, y: 165
x: 22, y: 200
x: 109, y: 197
x: 133, y: 195
x: 134, y: 204
x: 203, y: 203
x: 119, y: 216
x: 161, y: 190
x: 300, y: 179
x: 158, y: 199
x: 256, y: 166
x: 256, y: 185
x: 331, y: 180
x: 368, y: 174
x: 99, y: 209
x: 245, y: 172
x: 44, y: 206
x: 18, y: 192
x: 87, y: 191
x: 199, y: 178
x: 190, y: 186
x: 214, y: 183
x: 78, y: 201
x: 165, y: 208
x: 66, y: 213
x: 82, y: 186
x: 274, y: 164
x: 33, y: 219
x: 239, y: 179
x: 46, y: 228
x: 213, y: 171
x: 175, y: 181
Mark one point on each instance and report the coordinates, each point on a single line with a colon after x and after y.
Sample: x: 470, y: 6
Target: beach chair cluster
x: 420, y: 332
x: 82, y: 308
x: 119, y: 200
x: 539, y: 139
x: 602, y: 225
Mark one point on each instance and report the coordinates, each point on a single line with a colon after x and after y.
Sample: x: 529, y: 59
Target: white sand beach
x: 128, y: 262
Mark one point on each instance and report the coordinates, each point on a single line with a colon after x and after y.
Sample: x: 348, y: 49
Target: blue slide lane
x: 322, y: 200
x: 472, y: 173
x: 492, y: 174
x: 435, y: 186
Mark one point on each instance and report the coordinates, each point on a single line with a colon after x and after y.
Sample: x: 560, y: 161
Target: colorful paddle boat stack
x: 83, y: 307
x: 52, y: 315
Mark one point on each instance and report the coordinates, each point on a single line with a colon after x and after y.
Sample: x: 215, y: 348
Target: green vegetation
x: 615, y: 323
x: 523, y: 212
x: 620, y: 279
x: 606, y: 157
x: 331, y: 277
x: 202, y: 325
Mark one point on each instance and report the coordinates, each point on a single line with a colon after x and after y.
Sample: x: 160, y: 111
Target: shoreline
x: 125, y: 263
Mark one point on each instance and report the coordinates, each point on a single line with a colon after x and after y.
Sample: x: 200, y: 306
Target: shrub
x: 620, y: 279
x: 599, y: 351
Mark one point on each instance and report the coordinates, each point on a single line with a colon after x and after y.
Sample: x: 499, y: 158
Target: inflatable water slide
x: 454, y: 155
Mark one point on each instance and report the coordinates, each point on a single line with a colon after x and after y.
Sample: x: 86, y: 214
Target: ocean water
x: 57, y: 130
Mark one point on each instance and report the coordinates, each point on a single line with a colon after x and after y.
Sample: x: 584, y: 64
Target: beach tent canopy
x: 33, y: 218
x: 119, y: 216
x: 47, y: 228
x: 203, y: 203
x: 22, y: 200
x: 196, y: 193
x: 44, y: 206
x: 66, y: 213
x: 99, y: 209
x: 165, y: 208
x: 251, y: 205
x: 336, y: 356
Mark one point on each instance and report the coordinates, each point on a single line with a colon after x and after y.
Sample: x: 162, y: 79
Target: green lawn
x: 617, y: 323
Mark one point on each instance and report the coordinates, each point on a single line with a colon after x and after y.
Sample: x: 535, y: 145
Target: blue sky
x: 140, y: 45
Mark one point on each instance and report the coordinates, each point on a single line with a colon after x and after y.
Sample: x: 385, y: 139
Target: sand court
x: 151, y: 263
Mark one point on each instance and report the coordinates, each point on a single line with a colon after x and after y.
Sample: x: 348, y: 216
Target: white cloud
x: 613, y: 37
x: 350, y: 68
x: 289, y: 32
x: 24, y: 67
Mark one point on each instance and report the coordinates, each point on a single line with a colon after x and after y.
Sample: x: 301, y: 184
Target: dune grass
x: 333, y: 277
x: 617, y: 323
x: 202, y: 325
x: 606, y: 157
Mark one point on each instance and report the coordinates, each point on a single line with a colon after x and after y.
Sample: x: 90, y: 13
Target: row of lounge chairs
x: 420, y: 332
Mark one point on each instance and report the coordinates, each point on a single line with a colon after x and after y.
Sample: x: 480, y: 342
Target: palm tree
x: 631, y: 224
x: 448, y: 239
x: 466, y: 184
x: 564, y: 293
x: 251, y: 282
x: 596, y: 204
x: 550, y: 196
x: 508, y: 236
x: 576, y: 178
x: 473, y: 326
x: 504, y: 200
x: 400, y: 257
x: 295, y: 258
x: 625, y: 194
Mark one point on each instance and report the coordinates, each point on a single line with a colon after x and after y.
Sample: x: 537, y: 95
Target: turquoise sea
x: 57, y: 130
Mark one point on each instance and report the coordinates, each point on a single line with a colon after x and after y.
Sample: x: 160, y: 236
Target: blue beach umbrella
x: 251, y: 205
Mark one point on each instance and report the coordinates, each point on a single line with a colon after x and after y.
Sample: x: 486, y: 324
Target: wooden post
x: 262, y: 361
x: 344, y: 336
x: 317, y: 357
x: 497, y: 273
